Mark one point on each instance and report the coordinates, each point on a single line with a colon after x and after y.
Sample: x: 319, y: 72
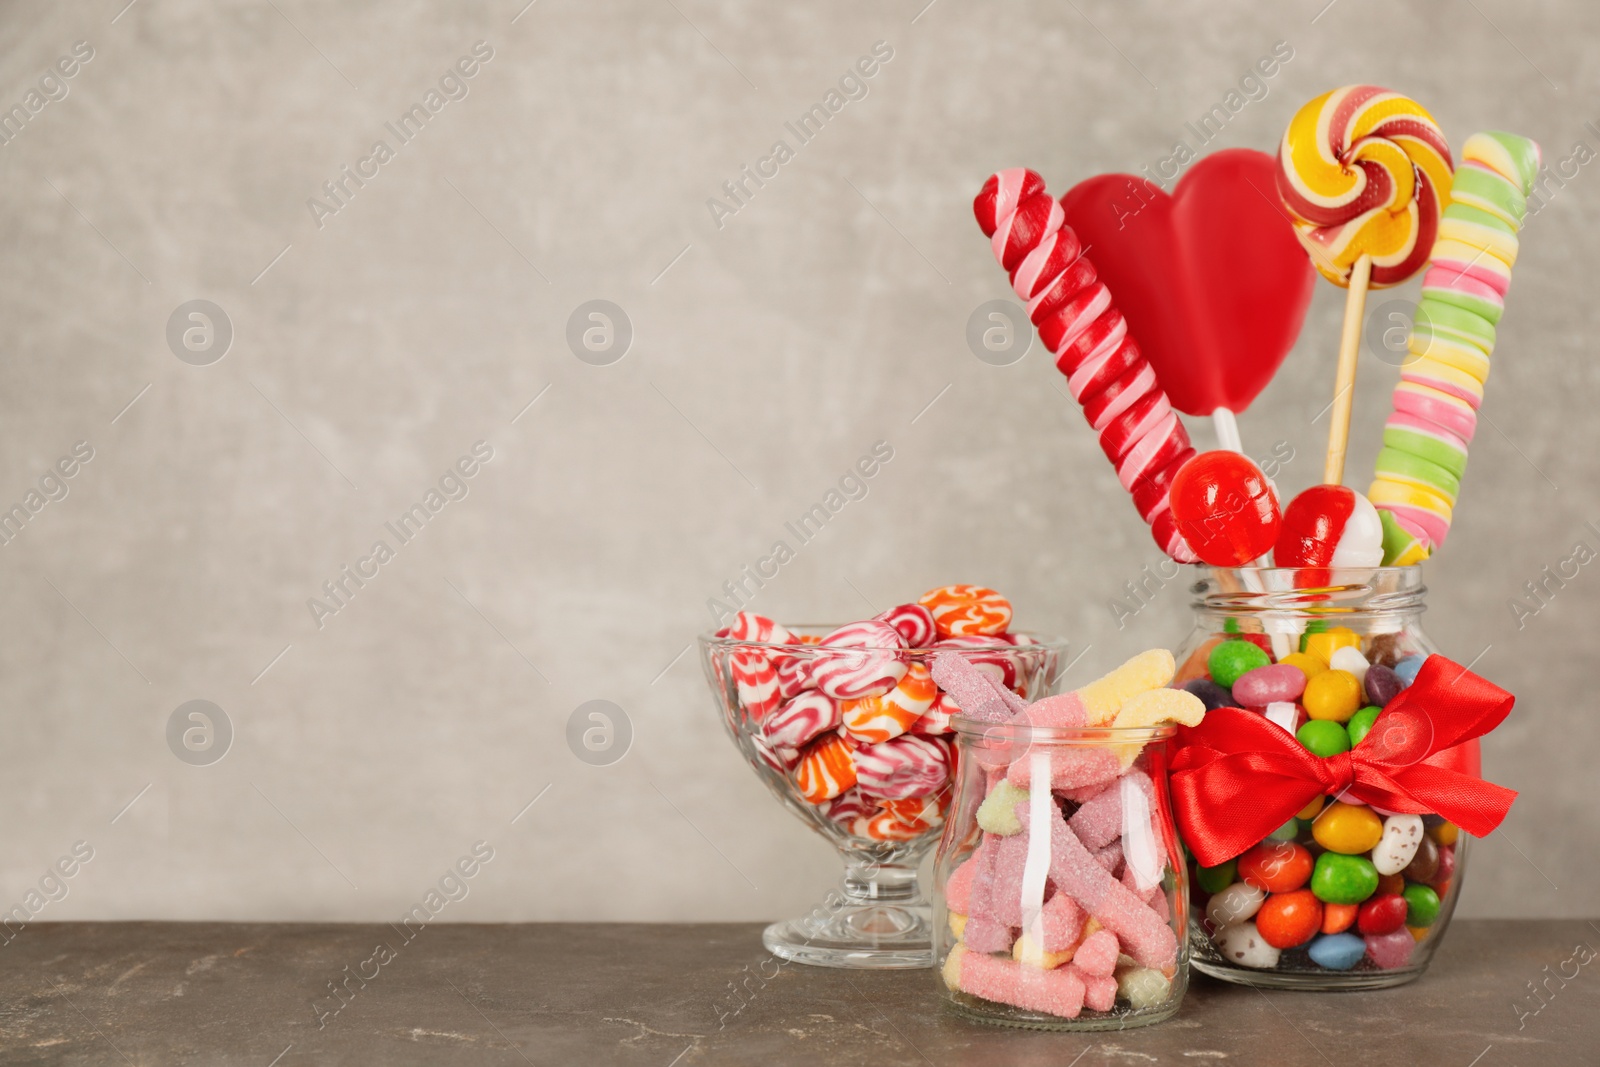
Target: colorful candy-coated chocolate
x: 1402, y: 836
x: 1337, y: 951
x: 1364, y: 171
x: 1233, y: 659
x: 907, y: 766
x: 1242, y: 944
x: 1382, y: 685
x: 861, y: 659
x: 1322, y: 640
x: 1225, y: 508
x: 1391, y: 950
x: 1342, y: 879
x: 962, y: 610
x: 1347, y: 828
x: 1330, y: 526
x: 1334, y: 695
x: 1424, y: 866
x: 1288, y: 920
x: 1336, y: 918
x: 1269, y: 684
x: 1312, y: 809
x: 1406, y: 670
x: 914, y: 623
x: 1276, y: 866
x: 1351, y: 661
x: 1216, y: 879
x: 825, y: 769
x: 1447, y: 869
x: 1382, y: 913
x: 878, y: 718
x: 1444, y: 832
x: 1361, y: 723
x: 1308, y: 664
x: 1324, y: 738
x: 1211, y: 694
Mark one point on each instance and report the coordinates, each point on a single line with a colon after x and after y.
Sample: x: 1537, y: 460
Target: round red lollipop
x: 1330, y: 526
x: 1225, y: 508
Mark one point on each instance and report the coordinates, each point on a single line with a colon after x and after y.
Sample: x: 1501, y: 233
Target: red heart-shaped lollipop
x: 1211, y: 279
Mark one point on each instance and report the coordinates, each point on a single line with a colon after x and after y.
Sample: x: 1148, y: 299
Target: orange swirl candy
x: 1365, y: 171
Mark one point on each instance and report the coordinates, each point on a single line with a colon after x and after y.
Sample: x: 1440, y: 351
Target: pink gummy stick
x: 978, y: 694
x: 1144, y: 936
x: 1059, y: 992
x: 1063, y: 921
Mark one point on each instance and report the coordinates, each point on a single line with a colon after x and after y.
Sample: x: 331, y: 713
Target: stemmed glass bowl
x: 879, y: 918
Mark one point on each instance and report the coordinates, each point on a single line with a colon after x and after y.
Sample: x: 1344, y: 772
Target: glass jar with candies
x: 1060, y: 890
x: 1342, y: 895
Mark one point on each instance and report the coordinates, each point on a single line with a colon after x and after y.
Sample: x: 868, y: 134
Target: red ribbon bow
x: 1238, y: 776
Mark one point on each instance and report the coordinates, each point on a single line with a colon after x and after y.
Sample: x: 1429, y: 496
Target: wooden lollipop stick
x: 1345, y: 382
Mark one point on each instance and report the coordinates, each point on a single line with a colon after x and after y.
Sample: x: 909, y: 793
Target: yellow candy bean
x: 1311, y: 810
x: 1347, y: 828
x: 1445, y: 833
x: 1334, y: 695
x: 1309, y: 665
x: 1419, y: 932
x: 1323, y: 645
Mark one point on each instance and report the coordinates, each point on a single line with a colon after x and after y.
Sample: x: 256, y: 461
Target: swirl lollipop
x: 1365, y: 173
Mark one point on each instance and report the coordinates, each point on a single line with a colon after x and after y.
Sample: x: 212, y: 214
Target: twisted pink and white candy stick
x: 1117, y: 388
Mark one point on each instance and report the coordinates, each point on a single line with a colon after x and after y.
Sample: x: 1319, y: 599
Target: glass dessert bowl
x: 873, y: 774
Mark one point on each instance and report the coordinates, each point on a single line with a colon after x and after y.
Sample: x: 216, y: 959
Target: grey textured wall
x: 373, y: 346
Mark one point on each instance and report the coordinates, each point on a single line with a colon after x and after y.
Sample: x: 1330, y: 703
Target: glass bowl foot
x: 859, y: 937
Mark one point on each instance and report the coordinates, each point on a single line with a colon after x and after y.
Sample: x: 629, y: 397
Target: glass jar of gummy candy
x: 1342, y: 896
x: 1060, y: 890
x: 876, y: 788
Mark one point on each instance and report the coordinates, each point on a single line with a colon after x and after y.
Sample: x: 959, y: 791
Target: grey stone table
x: 664, y: 996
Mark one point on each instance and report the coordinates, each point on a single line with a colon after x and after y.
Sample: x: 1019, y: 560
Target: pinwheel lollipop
x: 1366, y: 174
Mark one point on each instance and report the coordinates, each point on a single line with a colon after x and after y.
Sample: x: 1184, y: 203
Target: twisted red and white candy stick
x: 1117, y: 388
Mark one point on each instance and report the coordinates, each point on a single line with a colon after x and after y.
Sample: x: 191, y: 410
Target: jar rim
x: 1310, y: 590
x: 1099, y: 736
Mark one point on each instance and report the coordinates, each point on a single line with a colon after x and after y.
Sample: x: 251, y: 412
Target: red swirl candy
x: 867, y: 661
x: 1073, y: 311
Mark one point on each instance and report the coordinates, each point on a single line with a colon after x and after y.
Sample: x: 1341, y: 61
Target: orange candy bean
x: 1289, y: 919
x: 1276, y: 866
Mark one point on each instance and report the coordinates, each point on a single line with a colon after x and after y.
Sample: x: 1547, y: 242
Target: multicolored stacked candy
x: 1076, y: 912
x: 854, y: 718
x: 1340, y: 885
x: 1441, y: 386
